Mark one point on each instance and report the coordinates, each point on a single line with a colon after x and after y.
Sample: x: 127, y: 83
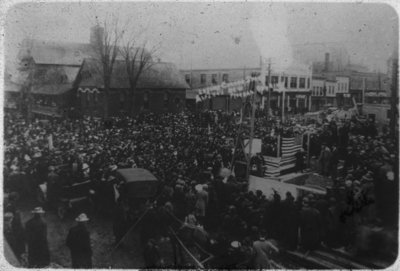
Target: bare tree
x: 106, y: 51
x: 26, y: 70
x: 137, y: 60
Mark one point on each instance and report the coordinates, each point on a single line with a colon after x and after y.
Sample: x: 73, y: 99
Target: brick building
x: 160, y: 88
x: 51, y: 72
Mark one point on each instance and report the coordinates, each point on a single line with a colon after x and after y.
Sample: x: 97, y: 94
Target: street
x: 126, y: 256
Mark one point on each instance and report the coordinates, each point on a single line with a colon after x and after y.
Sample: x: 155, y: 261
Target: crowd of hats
x: 178, y: 149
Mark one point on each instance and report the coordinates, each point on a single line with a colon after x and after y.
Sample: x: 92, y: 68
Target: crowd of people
x: 190, y: 153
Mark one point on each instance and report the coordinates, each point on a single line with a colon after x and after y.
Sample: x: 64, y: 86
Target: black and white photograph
x: 200, y: 135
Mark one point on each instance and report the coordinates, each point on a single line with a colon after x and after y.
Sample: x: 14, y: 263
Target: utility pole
x: 269, y: 89
x: 283, y: 106
x: 394, y: 98
x: 253, y: 112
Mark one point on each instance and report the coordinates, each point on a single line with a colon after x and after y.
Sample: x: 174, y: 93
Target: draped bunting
x: 236, y: 89
x: 86, y: 90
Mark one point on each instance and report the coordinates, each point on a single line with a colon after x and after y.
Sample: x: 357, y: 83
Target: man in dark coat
x: 334, y: 162
x: 15, y: 230
x: 300, y: 155
x: 309, y: 226
x: 36, y: 236
x: 78, y: 242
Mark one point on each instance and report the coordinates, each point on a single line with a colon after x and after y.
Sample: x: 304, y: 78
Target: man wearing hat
x: 263, y: 248
x: 36, y: 237
x: 78, y: 242
x: 309, y: 226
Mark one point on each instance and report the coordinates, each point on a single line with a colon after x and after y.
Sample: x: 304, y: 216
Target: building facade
x: 161, y: 88
x: 51, y: 73
x: 296, y: 80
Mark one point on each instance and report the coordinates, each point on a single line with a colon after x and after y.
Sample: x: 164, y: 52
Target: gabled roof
x: 55, y: 74
x: 51, y: 89
x: 160, y: 75
x: 55, y: 52
x: 10, y: 86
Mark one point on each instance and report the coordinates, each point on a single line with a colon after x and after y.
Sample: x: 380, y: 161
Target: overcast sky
x: 217, y: 35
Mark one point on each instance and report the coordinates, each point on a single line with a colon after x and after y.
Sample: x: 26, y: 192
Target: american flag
x: 290, y: 146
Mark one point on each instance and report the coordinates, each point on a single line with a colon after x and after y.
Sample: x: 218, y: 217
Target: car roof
x: 136, y: 175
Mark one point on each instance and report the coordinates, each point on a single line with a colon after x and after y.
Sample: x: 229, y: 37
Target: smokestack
x: 326, y: 62
x: 96, y: 34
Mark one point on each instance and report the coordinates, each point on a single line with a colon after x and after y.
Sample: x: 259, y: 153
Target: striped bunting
x: 290, y: 146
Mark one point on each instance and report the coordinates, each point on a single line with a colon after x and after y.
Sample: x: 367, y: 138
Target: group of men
x: 32, y: 238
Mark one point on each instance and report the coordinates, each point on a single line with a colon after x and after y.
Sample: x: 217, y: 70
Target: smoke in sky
x: 269, y: 26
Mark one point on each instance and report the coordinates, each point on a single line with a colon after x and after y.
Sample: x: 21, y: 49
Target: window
x: 225, y: 78
x: 293, y: 82
x: 345, y: 86
x: 203, y: 79
x: 286, y: 82
x: 187, y: 79
x: 302, y: 83
x: 282, y: 78
x: 146, y: 100
x: 266, y: 80
x: 214, y: 79
x: 166, y: 100
x: 308, y: 82
x: 388, y: 113
x: 122, y: 99
x: 274, y: 80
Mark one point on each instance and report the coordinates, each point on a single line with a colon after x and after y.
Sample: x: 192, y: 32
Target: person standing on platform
x: 300, y: 155
x: 78, y: 242
x: 36, y: 236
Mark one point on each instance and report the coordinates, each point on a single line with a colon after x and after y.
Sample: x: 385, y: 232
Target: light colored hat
x: 235, y: 244
x: 51, y: 168
x: 225, y: 172
x: 82, y: 218
x: 113, y: 167
x: 198, y: 187
x: 367, y: 177
x: 85, y: 166
x: 348, y: 183
x: 38, y: 210
x: 8, y: 215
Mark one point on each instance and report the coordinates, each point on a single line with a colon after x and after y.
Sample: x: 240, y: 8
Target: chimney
x: 96, y: 34
x: 326, y: 62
